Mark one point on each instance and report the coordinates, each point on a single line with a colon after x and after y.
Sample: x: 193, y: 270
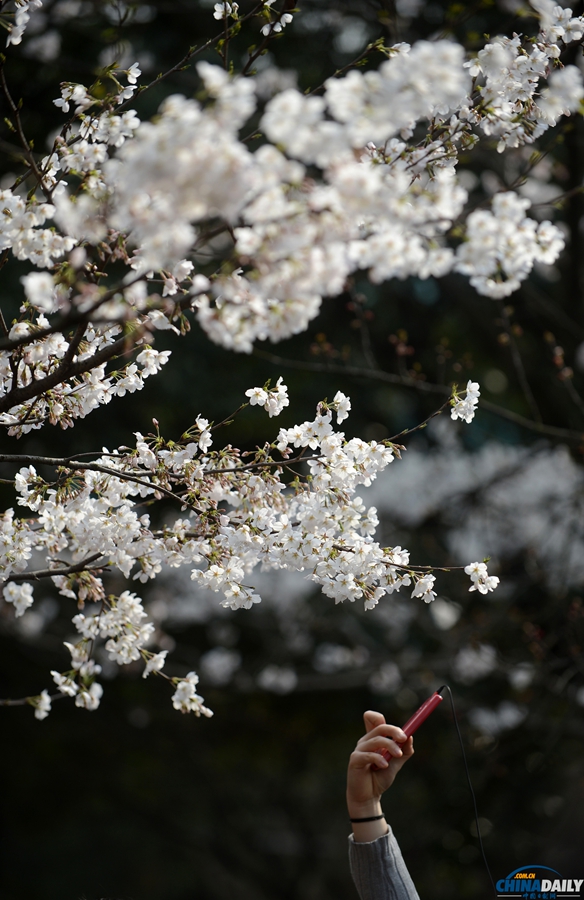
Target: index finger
x: 372, y: 719
x: 385, y: 731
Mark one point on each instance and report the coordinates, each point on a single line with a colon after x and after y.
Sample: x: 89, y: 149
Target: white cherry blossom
x: 42, y: 706
x: 20, y: 595
x: 465, y: 407
x: 481, y: 580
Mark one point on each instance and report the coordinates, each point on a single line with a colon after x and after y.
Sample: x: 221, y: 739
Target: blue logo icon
x: 539, y: 883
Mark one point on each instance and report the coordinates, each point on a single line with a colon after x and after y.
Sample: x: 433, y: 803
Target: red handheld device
x: 416, y: 720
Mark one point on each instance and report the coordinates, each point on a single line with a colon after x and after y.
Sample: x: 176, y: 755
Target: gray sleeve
x: 379, y: 871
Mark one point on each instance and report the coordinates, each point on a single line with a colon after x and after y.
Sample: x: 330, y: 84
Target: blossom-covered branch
x: 112, y: 224
x: 238, y: 516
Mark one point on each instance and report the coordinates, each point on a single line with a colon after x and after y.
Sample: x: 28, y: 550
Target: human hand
x: 366, y: 785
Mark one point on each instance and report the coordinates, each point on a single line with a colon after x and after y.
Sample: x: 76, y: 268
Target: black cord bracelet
x: 369, y: 818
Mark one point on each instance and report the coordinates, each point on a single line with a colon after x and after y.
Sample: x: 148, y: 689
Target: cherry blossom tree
x: 361, y: 175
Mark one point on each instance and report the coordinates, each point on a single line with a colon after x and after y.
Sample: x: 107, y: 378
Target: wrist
x: 366, y: 831
x: 364, y: 809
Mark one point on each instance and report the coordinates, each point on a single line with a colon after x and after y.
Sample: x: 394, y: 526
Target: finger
x: 380, y: 743
x: 372, y: 719
x: 408, y: 748
x: 361, y: 760
x: 384, y: 730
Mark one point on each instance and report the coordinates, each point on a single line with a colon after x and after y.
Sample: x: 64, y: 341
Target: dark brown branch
x: 25, y: 701
x: 69, y: 369
x: 261, y: 465
x: 519, y: 367
x: 64, y: 570
x: 423, y: 387
x: 26, y: 459
x: 73, y: 317
x: 69, y: 463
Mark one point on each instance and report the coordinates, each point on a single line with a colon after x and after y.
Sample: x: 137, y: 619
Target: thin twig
x: 409, y: 568
x: 423, y: 424
x: 192, y: 52
x: 255, y: 55
x: 26, y: 701
x: 424, y: 387
x: 343, y: 69
x: 519, y: 367
x: 125, y: 476
x: 229, y: 418
x: 261, y: 465
x: 19, y: 129
x: 531, y: 293
x: 574, y: 395
x: 366, y: 345
x: 559, y: 199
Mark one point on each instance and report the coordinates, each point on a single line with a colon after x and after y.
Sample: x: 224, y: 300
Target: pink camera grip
x: 416, y: 720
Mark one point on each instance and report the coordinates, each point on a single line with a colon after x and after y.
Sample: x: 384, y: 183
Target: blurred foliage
x: 136, y: 801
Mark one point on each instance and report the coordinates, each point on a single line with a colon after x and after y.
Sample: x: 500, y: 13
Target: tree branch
x: 69, y: 463
x: 68, y: 369
x: 49, y: 573
x: 424, y: 387
x: 193, y: 51
x: 73, y: 317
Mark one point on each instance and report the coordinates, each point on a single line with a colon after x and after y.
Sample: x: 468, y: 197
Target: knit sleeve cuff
x: 379, y: 870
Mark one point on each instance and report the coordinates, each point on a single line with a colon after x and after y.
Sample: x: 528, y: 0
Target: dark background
x: 137, y: 801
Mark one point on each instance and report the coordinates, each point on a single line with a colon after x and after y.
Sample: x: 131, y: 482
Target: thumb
x: 372, y: 719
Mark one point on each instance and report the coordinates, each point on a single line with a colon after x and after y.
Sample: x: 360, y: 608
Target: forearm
x: 379, y: 870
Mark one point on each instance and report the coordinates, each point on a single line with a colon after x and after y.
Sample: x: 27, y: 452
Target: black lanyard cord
x: 472, y: 793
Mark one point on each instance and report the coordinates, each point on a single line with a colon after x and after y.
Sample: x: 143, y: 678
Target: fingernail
x: 403, y: 735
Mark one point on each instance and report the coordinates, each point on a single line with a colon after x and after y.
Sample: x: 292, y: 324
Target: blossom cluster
x: 273, y: 401
x: 513, y: 105
x: 120, y: 619
x: 39, y: 360
x: 384, y: 203
x: 17, y: 28
x: 503, y: 244
x: 20, y: 231
x: 239, y: 515
x: 481, y: 580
